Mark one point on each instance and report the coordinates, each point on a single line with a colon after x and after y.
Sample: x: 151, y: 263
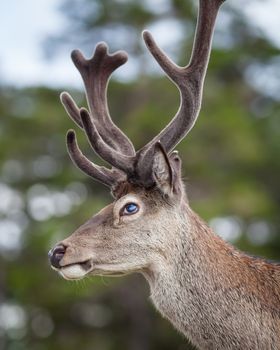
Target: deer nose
x: 56, y: 254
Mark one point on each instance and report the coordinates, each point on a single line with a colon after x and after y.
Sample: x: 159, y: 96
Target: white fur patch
x: 73, y: 272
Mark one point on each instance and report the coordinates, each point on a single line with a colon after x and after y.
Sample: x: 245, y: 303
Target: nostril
x: 56, y: 254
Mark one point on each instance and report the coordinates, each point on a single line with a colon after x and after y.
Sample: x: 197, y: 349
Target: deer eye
x: 130, y: 208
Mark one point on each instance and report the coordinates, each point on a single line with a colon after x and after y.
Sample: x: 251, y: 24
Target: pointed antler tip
x: 64, y: 96
x: 122, y: 56
x: 147, y: 36
x: 71, y: 135
x: 146, y: 33
x: 75, y: 52
x: 71, y: 141
x: 101, y: 48
x: 77, y: 57
x: 86, y: 119
x: 84, y: 113
x: 101, y: 56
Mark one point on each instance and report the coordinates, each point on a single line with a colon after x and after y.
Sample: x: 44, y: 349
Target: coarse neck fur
x: 216, y: 296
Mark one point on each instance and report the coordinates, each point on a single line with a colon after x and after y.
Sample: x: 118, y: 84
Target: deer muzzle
x: 69, y: 271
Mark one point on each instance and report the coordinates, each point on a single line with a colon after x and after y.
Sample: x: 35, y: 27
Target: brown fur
x: 217, y: 296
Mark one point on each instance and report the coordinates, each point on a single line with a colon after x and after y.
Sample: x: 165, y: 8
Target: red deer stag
x: 218, y: 297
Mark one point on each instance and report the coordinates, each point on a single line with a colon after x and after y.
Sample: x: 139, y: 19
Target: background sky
x: 25, y: 24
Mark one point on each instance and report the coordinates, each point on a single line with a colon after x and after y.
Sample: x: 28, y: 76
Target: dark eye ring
x: 130, y: 208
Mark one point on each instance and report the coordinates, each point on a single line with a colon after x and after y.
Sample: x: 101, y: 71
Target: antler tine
x: 189, y: 79
x: 101, y: 174
x: 119, y: 161
x: 208, y: 11
x: 96, y: 73
x: 71, y: 108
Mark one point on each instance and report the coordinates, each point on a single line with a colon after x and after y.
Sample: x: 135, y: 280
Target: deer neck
x: 215, y: 295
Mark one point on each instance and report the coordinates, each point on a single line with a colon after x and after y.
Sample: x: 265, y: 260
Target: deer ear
x: 162, y: 170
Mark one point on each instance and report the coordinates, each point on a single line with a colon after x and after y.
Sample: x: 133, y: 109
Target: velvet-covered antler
x: 188, y: 79
x: 100, y: 173
x: 107, y: 140
x: 96, y: 73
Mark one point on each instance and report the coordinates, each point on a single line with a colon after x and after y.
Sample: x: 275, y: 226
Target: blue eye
x: 130, y: 208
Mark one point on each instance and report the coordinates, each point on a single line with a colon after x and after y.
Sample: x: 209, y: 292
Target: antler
x: 101, y: 174
x: 96, y: 73
x: 105, y: 137
x: 107, y: 140
x: 188, y: 79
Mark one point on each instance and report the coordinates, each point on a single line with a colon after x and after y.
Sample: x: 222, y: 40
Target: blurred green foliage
x: 231, y: 168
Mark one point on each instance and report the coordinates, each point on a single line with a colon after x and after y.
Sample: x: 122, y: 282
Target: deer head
x: 134, y: 232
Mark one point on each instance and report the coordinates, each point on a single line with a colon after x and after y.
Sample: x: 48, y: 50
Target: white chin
x: 73, y: 272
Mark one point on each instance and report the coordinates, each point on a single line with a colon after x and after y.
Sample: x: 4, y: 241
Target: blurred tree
x: 231, y: 159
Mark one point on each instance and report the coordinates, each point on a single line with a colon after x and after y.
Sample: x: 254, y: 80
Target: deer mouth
x: 75, y: 271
